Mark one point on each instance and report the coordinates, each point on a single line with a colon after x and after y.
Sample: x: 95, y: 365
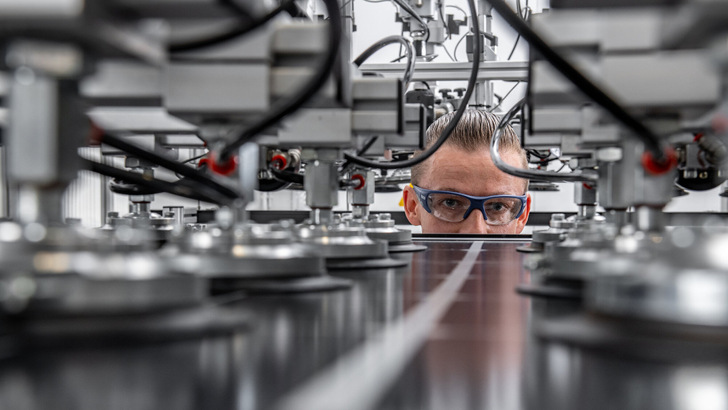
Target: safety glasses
x: 456, y: 207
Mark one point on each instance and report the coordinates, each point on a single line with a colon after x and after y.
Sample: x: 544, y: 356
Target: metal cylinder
x: 141, y: 208
x: 322, y: 179
x: 587, y: 212
x: 321, y: 184
x: 39, y: 205
x: 322, y: 216
x: 649, y: 219
x: 360, y: 211
x: 617, y: 217
x: 177, y: 213
x: 585, y: 194
x: 362, y: 194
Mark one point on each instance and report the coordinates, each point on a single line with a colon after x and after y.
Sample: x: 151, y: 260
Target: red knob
x: 279, y: 161
x: 658, y: 168
x: 224, y: 168
x: 360, y: 178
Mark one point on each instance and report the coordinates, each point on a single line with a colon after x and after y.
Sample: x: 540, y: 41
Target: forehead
x: 471, y: 172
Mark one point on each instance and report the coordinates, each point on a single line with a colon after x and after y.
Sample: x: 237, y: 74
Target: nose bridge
x: 476, y: 205
x: 475, y: 222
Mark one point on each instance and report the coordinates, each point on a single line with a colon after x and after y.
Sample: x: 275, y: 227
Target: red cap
x: 360, y: 178
x: 657, y: 168
x: 279, y: 161
x: 226, y: 168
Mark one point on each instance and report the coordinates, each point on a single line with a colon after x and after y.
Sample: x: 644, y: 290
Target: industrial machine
x: 212, y: 103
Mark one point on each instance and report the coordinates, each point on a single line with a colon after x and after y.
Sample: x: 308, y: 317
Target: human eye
x: 499, y: 206
x: 451, y: 202
x: 449, y: 207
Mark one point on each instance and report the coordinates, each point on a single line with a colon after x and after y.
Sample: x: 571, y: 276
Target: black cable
x: 515, y: 44
x: 455, y: 50
x: 118, y: 186
x: 448, y: 53
x: 271, y: 185
x: 410, y: 53
x: 368, y: 144
x: 543, y: 161
x: 537, y: 154
x: 198, y: 193
x: 287, y: 105
x: 528, y: 173
x: 284, y: 176
x: 440, y: 6
x: 231, y: 34
x: 505, y: 96
x: 188, y: 160
x: 651, y: 140
x: 174, y: 166
x: 401, y: 33
x: 381, y: 44
x: 525, y: 16
x: 193, y: 158
x: 477, y: 48
x: 458, y: 8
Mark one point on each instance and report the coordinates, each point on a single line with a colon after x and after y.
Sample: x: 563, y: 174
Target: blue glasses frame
x: 476, y: 202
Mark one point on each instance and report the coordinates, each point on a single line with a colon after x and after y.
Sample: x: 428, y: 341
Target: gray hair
x: 473, y: 132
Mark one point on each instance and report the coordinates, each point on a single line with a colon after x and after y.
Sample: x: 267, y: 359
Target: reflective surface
x: 474, y: 358
x: 491, y: 349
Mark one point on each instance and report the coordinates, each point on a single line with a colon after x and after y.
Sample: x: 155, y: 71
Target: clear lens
x: 448, y: 207
x: 500, y: 211
x: 453, y: 207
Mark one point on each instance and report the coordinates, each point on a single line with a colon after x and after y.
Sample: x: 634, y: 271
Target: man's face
x: 471, y: 173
